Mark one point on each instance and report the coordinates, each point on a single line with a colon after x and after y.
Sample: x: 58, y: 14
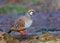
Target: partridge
x: 23, y: 22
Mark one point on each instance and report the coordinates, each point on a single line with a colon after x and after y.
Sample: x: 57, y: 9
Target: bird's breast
x: 28, y: 23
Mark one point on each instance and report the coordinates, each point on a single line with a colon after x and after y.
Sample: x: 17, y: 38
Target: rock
x: 10, y: 39
x: 2, y: 40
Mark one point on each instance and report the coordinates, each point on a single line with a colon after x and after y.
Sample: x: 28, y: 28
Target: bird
x: 24, y: 22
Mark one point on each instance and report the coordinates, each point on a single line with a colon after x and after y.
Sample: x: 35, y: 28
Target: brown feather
x: 19, y: 23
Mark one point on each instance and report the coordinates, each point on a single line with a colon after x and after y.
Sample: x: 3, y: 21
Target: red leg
x: 22, y: 32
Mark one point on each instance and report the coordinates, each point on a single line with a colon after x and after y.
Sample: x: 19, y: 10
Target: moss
x: 35, y: 0
x: 15, y: 8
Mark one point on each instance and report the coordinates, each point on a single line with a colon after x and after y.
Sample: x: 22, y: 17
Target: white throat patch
x: 31, y: 13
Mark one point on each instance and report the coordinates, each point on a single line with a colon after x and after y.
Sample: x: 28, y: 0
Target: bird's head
x: 31, y: 11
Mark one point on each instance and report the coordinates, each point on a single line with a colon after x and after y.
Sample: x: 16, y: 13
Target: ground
x: 43, y: 38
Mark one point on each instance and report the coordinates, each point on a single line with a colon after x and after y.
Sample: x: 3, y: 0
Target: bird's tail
x: 10, y: 31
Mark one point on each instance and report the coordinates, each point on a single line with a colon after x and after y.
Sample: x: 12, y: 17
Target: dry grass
x: 44, y: 38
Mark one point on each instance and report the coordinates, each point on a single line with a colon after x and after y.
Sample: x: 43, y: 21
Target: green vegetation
x: 35, y: 0
x: 14, y: 8
x: 2, y: 10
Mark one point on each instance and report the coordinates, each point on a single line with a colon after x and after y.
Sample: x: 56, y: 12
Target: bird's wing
x: 22, y: 22
x: 19, y: 23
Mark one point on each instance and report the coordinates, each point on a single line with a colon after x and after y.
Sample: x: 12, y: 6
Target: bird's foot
x: 22, y: 33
